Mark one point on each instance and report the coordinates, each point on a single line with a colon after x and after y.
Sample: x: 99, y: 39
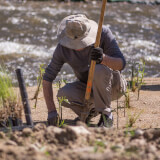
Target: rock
x: 152, y: 134
x: 33, y: 148
x: 83, y: 149
x: 51, y: 131
x: 151, y: 149
x: 138, y: 133
x: 67, y: 135
x: 138, y: 142
x: 79, y: 130
x: 156, y: 134
x: 2, y: 135
x: 17, y: 139
x: 39, y: 126
x: 11, y: 143
x: 80, y: 123
x: 27, y: 132
x: 148, y: 135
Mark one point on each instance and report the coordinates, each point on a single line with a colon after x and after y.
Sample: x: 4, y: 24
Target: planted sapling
x: 39, y: 82
x: 140, y: 79
x: 132, y: 119
x: 60, y: 101
x: 60, y: 122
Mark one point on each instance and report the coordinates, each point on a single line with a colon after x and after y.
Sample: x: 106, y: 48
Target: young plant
x: 140, y: 78
x: 39, y: 81
x: 127, y: 99
x: 133, y: 81
x: 60, y: 101
x: 117, y: 114
x: 99, y: 146
x: 9, y: 105
x: 132, y: 119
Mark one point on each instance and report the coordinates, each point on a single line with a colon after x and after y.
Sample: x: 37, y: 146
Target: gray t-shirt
x: 80, y: 60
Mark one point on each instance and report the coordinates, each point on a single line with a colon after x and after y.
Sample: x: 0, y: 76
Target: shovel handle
x: 97, y: 43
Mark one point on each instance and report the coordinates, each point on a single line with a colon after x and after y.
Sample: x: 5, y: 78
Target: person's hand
x: 97, y: 55
x: 52, y: 118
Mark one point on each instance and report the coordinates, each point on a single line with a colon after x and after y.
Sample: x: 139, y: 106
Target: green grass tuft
x: 9, y: 106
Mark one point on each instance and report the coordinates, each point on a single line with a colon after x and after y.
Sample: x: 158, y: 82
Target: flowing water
x: 28, y: 34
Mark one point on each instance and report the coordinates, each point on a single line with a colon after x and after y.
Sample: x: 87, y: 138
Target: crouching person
x: 76, y: 36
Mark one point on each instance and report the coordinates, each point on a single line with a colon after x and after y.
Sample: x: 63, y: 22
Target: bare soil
x: 148, y: 104
x: 142, y: 141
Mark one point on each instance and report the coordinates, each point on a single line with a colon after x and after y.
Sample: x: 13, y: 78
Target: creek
x: 28, y: 34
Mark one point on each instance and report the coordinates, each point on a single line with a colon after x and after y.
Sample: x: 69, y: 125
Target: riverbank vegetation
x: 10, y: 107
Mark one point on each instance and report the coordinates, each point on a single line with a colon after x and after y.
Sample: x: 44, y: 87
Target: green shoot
x: 133, y: 84
x: 60, y: 82
x: 127, y: 99
x: 39, y: 81
x: 60, y: 101
x: 9, y: 106
x: 99, y: 145
x: 60, y: 122
x: 132, y: 119
x: 140, y: 79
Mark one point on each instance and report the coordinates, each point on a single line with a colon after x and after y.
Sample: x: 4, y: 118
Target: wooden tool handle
x: 97, y: 43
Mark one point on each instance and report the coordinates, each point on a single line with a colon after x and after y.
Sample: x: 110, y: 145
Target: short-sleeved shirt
x: 80, y: 60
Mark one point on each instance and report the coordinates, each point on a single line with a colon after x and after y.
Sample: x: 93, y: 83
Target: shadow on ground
x: 151, y: 87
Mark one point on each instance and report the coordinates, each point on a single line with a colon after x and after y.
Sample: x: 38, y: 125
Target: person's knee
x: 101, y: 72
x: 62, y: 92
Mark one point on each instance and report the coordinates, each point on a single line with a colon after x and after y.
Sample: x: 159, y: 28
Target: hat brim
x: 86, y: 41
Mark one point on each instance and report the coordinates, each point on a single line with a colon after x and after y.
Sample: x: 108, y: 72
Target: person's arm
x: 112, y: 62
x: 50, y: 74
x: 112, y: 55
x: 48, y: 95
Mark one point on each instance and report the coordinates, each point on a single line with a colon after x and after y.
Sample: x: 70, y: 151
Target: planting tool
x: 87, y: 108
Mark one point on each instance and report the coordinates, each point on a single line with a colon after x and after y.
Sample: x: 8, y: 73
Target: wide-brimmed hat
x: 77, y: 32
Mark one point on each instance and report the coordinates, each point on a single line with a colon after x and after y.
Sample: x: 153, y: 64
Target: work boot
x: 52, y: 118
x: 93, y: 113
x: 105, y: 121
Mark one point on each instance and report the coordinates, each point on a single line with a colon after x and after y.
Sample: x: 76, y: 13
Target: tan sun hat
x: 77, y: 32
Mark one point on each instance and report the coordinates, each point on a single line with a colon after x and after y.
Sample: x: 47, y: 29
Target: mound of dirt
x: 85, y: 143
x: 79, y: 142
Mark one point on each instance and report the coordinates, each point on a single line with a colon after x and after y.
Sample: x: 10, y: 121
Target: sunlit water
x: 28, y: 34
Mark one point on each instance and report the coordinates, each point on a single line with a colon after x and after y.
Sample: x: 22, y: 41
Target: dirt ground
x: 80, y: 142
x: 148, y: 104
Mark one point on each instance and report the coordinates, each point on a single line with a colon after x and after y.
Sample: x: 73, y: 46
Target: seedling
x: 127, y: 99
x: 133, y: 81
x: 60, y: 101
x: 117, y: 115
x: 129, y: 132
x: 60, y: 122
x: 132, y: 119
x: 39, y: 82
x: 60, y: 82
x: 140, y: 78
x: 99, y: 145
